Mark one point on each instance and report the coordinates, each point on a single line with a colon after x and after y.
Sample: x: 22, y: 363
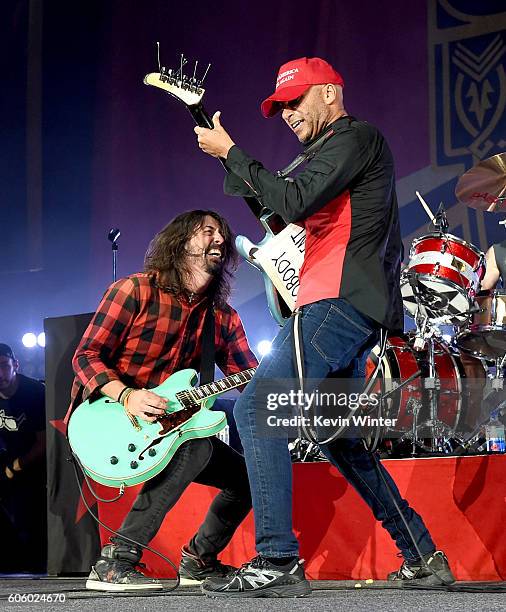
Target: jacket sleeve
x: 334, y: 168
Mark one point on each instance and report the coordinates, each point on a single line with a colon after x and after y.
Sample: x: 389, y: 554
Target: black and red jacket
x: 345, y: 199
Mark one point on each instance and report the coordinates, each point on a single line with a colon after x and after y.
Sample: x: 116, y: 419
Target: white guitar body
x: 279, y: 258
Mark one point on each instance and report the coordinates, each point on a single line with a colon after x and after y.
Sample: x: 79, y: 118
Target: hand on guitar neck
x: 215, y: 142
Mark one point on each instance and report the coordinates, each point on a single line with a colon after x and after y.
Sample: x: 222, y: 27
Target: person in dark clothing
x: 495, y: 266
x: 23, y: 515
x: 349, y: 291
x: 147, y: 327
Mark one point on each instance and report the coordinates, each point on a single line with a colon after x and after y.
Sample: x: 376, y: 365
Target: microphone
x: 114, y: 234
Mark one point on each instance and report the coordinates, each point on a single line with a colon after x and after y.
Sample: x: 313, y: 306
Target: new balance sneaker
x: 416, y: 572
x: 260, y: 578
x: 192, y: 570
x: 115, y: 571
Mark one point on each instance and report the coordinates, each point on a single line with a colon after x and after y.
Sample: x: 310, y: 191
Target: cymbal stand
x: 433, y: 385
x: 425, y: 340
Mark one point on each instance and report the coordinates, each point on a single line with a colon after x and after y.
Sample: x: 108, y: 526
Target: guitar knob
x: 114, y: 460
x: 151, y: 452
x: 134, y: 465
x: 131, y: 447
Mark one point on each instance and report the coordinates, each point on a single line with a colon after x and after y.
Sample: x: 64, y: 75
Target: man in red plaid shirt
x: 148, y: 326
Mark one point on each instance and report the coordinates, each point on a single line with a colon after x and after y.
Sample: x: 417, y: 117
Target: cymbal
x: 484, y: 186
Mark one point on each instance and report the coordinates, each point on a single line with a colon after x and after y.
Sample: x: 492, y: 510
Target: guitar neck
x: 202, y: 119
x: 220, y: 386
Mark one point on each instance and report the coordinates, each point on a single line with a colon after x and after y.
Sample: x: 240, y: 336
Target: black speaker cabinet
x: 73, y: 538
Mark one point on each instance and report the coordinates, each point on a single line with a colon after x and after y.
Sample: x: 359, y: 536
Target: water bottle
x: 494, y: 434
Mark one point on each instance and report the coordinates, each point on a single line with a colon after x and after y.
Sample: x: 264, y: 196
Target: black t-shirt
x: 500, y: 259
x: 21, y: 416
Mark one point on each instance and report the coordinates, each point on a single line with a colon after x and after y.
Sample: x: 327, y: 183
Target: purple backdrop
x: 103, y: 150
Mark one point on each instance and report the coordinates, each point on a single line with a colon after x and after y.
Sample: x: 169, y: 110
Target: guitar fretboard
x: 190, y: 397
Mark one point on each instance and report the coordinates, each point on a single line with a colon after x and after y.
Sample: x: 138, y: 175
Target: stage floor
x: 327, y: 595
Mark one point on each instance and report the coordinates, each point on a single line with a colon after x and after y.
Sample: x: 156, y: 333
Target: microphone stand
x: 113, y: 236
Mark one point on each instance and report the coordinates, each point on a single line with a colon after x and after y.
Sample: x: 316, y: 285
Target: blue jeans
x: 335, y: 337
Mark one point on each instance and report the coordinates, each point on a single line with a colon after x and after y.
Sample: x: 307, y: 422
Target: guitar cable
x: 74, y: 459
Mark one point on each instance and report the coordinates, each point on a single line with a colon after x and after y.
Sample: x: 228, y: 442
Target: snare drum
x: 486, y: 336
x: 457, y: 409
x: 443, y: 274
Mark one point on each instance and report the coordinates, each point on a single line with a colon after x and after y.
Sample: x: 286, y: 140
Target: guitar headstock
x: 187, y: 89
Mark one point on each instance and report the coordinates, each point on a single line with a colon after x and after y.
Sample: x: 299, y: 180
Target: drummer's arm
x: 492, y: 275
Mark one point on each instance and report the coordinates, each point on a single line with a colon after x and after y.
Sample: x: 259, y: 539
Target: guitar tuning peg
x: 158, y: 56
x: 205, y: 74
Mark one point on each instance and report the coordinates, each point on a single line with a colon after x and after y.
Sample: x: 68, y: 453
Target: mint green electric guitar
x: 119, y: 450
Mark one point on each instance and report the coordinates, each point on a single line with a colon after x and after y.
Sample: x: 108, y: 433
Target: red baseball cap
x: 295, y: 77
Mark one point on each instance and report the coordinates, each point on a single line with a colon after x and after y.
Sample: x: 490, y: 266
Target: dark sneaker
x: 416, y: 572
x: 192, y: 570
x: 260, y: 578
x: 111, y: 573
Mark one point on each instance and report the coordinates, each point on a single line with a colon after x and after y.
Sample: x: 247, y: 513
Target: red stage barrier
x: 462, y: 501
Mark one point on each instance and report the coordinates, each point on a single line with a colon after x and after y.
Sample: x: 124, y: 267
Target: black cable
x: 75, y: 461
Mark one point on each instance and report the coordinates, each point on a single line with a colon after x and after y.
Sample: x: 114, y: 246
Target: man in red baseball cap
x: 348, y: 299
x: 295, y: 78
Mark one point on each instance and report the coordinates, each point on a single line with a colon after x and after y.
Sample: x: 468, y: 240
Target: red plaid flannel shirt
x: 141, y: 334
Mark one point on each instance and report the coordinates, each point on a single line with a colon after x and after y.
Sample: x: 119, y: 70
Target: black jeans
x: 207, y: 461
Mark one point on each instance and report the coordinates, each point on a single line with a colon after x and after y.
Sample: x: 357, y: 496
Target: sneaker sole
x: 190, y: 581
x: 95, y: 585
x: 428, y: 581
x: 300, y: 589
x: 443, y: 578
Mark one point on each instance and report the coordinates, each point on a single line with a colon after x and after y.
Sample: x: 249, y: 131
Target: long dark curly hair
x: 166, y: 262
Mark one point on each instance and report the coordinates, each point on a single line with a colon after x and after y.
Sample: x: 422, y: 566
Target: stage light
x: 29, y: 340
x: 264, y: 347
x: 41, y: 339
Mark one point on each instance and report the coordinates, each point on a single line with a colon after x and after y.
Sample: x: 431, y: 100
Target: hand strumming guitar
x: 145, y: 405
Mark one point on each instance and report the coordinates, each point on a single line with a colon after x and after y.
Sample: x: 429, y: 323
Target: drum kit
x: 449, y: 383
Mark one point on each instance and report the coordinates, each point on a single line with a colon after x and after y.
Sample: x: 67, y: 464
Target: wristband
x: 124, y: 393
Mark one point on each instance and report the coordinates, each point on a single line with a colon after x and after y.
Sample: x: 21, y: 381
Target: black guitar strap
x: 207, y: 359
x: 310, y: 151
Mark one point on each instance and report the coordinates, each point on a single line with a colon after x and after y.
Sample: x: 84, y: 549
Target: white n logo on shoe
x: 258, y: 578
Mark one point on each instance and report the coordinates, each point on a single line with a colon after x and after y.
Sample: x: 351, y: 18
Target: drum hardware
x: 498, y: 379
x: 485, y: 335
x: 433, y: 386
x: 424, y: 339
x: 441, y: 220
x: 304, y: 451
